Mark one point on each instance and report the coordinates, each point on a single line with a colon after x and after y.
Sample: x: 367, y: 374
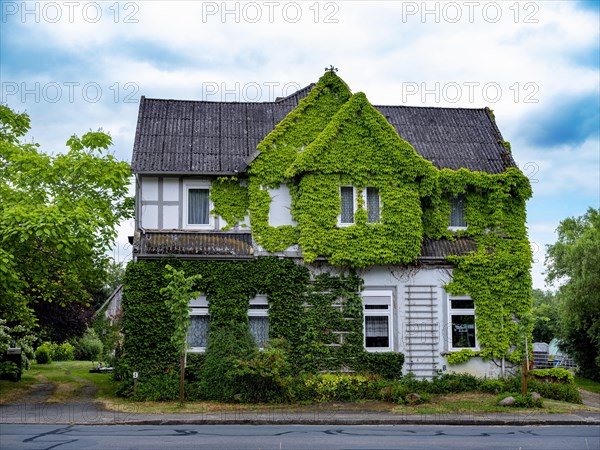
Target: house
x: 341, y: 226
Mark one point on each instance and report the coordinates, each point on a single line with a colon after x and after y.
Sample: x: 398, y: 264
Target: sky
x: 76, y: 66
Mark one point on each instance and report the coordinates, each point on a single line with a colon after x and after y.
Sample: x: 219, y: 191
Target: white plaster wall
x: 170, y: 217
x: 281, y: 204
x: 397, y: 279
x: 171, y: 189
x: 150, y: 216
x: 477, y: 367
x: 150, y: 188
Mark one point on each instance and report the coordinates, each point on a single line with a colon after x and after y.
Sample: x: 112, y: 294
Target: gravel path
x: 589, y: 398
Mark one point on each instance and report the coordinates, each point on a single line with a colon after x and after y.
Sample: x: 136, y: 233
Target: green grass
x: 67, y: 376
x: 587, y: 384
x: 64, y: 376
x: 480, y: 403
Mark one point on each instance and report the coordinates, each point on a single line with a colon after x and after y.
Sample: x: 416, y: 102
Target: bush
x: 43, y: 354
x: 89, y: 347
x: 264, y: 378
x: 554, y: 375
x: 495, y: 386
x: 453, y: 383
x: 63, y: 352
x: 556, y: 391
x: 193, y: 368
x: 386, y: 364
x: 522, y: 401
x: 226, y: 346
x: 328, y: 387
x: 159, y: 388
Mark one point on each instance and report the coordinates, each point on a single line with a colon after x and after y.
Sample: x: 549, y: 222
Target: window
x: 258, y: 318
x: 347, y: 195
x: 197, y: 205
x: 377, y: 320
x: 462, y: 323
x: 457, y: 213
x: 349, y: 204
x: 372, y: 205
x: 197, y: 336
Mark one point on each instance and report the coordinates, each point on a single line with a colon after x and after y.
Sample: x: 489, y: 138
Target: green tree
x: 574, y: 262
x: 58, y: 218
x: 178, y: 293
x: 545, y: 311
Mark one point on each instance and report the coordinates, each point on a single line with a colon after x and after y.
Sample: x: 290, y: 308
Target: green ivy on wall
x: 333, y: 139
x: 279, y: 149
x: 300, y: 310
x: 230, y: 200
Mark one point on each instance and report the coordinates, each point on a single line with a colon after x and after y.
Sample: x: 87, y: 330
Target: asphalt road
x: 284, y: 437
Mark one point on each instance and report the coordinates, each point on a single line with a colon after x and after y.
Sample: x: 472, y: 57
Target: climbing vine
x: 336, y: 139
x: 230, y: 200
x: 310, y: 315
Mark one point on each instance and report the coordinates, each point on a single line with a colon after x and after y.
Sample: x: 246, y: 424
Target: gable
x: 301, y: 126
x: 358, y: 141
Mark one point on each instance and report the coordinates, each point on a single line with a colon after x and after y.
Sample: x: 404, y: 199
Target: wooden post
x: 181, y: 375
x: 525, y: 369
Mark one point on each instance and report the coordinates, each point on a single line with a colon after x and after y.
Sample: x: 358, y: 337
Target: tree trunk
x: 181, y: 375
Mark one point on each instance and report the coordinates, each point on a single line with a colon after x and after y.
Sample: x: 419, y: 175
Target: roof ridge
x: 214, y: 102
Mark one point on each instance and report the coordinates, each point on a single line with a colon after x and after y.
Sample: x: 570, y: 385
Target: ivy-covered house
x: 337, y: 225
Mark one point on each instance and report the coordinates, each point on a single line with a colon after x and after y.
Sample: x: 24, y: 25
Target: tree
x: 58, y: 218
x: 545, y: 311
x: 574, y: 261
x: 178, y: 293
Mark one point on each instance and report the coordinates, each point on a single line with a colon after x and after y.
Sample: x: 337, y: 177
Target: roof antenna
x: 331, y: 69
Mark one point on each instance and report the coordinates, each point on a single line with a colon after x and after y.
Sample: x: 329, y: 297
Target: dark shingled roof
x: 199, y: 137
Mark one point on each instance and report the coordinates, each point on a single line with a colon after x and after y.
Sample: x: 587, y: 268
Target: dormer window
x: 349, y: 204
x: 457, y: 213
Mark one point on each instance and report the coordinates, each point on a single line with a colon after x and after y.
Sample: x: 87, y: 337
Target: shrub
x: 495, y: 386
x: 89, y: 347
x: 556, y: 391
x: 340, y: 387
x: 63, y: 352
x: 43, y: 354
x: 193, y: 368
x: 264, y: 378
x: 385, y: 364
x: 522, y: 401
x: 554, y: 375
x: 159, y: 388
x: 226, y: 346
x: 453, y: 383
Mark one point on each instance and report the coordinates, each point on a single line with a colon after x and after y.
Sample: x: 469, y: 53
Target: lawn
x: 64, y: 375
x: 68, y: 376
x: 588, y: 385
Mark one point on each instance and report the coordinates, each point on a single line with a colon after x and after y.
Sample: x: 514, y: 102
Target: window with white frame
x: 197, y: 335
x: 378, y: 323
x: 349, y: 204
x: 461, y: 331
x: 258, y: 319
x: 197, y: 205
x: 457, y: 213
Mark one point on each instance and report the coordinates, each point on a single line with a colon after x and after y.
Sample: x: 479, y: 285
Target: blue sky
x: 75, y: 66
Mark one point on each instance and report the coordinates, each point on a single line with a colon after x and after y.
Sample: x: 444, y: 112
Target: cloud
x: 569, y: 121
